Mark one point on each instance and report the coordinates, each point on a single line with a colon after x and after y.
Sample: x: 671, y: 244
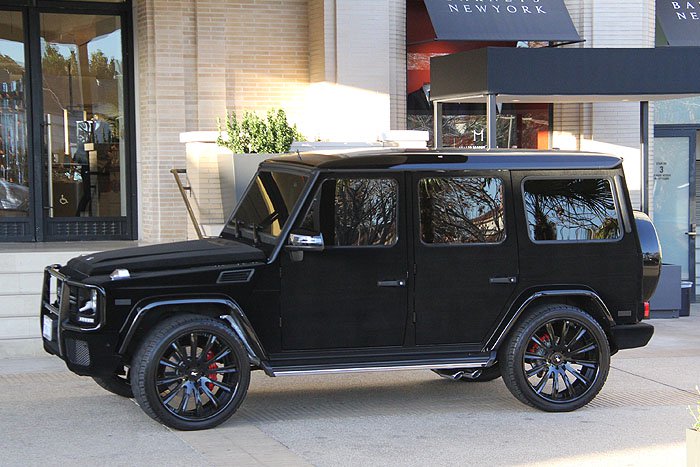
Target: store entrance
x: 65, y: 116
x: 675, y: 195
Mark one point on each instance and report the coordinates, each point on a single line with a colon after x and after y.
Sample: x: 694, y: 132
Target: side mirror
x: 298, y: 242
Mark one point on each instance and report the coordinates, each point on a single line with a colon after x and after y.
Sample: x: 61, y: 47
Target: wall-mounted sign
x: 501, y: 20
x: 680, y: 21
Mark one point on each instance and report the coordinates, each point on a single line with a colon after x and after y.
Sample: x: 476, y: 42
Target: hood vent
x: 237, y: 276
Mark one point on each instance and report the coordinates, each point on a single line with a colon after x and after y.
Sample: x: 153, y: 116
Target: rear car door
x: 466, y: 256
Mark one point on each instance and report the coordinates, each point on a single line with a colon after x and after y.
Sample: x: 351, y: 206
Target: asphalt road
x: 48, y: 416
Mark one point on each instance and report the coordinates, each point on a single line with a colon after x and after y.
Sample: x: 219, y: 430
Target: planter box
x: 235, y: 173
x: 666, y: 301
x: 692, y: 447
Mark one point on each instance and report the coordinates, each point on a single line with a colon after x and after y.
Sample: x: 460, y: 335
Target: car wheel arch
x: 150, y: 311
x: 531, y: 301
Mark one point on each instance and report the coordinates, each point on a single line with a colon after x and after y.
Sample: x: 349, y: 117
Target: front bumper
x: 86, y: 351
x: 631, y: 336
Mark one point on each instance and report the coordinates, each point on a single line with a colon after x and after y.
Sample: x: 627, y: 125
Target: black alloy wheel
x: 191, y: 373
x: 557, y: 359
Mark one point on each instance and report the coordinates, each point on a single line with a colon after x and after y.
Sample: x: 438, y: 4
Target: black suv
x: 527, y: 265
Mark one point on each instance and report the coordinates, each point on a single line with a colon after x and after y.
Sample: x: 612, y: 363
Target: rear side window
x: 461, y: 210
x: 575, y: 209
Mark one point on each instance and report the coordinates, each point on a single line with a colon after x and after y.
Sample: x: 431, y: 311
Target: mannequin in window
x: 418, y: 102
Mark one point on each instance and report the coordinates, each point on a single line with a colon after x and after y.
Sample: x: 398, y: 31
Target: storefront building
x: 95, y: 94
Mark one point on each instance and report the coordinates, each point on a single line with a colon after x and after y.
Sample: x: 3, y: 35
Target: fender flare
x: 235, y: 317
x: 497, y: 337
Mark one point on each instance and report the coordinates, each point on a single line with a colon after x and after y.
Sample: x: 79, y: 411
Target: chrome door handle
x: 692, y: 234
x: 399, y: 283
x: 503, y: 280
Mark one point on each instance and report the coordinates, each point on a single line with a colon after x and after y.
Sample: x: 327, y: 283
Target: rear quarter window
x: 571, y: 210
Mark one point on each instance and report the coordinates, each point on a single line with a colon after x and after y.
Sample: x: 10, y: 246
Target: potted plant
x: 251, y: 139
x: 692, y: 437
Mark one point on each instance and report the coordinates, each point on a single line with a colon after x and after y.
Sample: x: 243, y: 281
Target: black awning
x: 524, y: 20
x: 566, y: 74
x: 679, y: 21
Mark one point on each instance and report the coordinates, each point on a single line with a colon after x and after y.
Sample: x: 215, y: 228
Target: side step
x: 469, y: 362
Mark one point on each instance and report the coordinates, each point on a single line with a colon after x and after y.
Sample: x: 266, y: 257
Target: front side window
x: 365, y: 211
x: 461, y: 210
x: 571, y: 210
x: 267, y: 205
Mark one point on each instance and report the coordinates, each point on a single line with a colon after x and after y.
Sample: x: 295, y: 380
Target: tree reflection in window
x: 365, y: 212
x: 571, y: 210
x: 461, y: 210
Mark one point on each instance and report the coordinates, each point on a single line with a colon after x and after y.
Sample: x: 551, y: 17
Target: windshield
x: 265, y: 209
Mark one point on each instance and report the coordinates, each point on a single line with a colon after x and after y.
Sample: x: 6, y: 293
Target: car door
x: 352, y: 294
x: 466, y: 260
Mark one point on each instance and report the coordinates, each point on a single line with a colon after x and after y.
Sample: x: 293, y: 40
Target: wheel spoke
x: 552, y: 335
x: 172, y: 395
x: 585, y: 349
x: 210, y: 395
x: 577, y: 375
x: 577, y: 337
x: 220, y: 355
x: 207, y: 347
x: 587, y: 363
x: 537, y: 341
x: 533, y: 356
x: 567, y: 382
x: 555, y: 382
x: 564, y: 332
x: 185, y: 399
x: 217, y: 384
x: 197, y: 399
x: 536, y: 370
x: 540, y: 386
x: 169, y: 364
x: 169, y: 380
x: 224, y: 369
x: 193, y: 347
x: 182, y: 355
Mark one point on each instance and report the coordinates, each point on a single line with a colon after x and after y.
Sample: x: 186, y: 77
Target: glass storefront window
x: 83, y: 98
x: 14, y: 171
x: 524, y: 126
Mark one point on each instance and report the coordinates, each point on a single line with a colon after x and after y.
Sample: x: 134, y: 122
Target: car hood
x: 179, y: 255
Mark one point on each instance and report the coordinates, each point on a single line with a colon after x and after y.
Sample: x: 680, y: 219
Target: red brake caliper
x: 213, y: 366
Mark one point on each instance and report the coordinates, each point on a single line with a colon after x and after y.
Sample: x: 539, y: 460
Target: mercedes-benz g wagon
x: 532, y: 266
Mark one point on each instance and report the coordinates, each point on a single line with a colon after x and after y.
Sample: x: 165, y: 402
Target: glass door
x: 83, y: 112
x: 674, y: 196
x: 16, y: 216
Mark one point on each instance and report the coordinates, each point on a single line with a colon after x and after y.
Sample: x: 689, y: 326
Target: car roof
x: 445, y: 159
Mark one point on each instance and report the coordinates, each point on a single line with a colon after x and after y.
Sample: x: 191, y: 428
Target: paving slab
x: 50, y: 416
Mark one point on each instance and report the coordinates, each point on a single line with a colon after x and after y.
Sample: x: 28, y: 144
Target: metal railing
x: 183, y: 192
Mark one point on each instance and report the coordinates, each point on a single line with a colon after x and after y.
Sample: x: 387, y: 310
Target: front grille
x: 78, y: 352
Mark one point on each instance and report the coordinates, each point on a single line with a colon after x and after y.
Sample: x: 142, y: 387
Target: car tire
x: 116, y: 383
x: 470, y: 375
x: 191, y: 372
x: 556, y: 359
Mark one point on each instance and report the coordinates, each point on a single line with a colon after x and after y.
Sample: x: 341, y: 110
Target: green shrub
x: 253, y: 134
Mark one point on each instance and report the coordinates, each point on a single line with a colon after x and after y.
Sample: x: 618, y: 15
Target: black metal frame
x: 40, y: 226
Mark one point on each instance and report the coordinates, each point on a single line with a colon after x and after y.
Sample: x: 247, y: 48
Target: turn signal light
x: 646, y: 310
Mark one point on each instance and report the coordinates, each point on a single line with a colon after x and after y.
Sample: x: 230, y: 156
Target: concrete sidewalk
x: 50, y: 416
